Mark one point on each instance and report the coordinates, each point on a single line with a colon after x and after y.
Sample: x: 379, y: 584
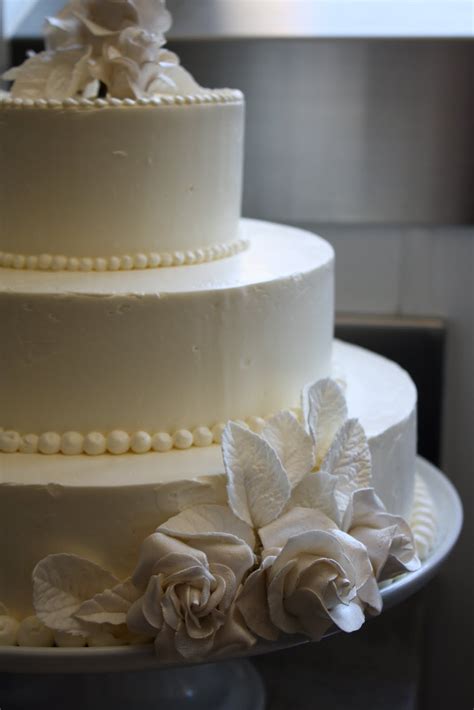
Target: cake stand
x: 227, y: 685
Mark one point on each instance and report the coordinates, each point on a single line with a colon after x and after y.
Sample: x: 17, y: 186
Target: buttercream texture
x: 158, y: 351
x: 130, y: 179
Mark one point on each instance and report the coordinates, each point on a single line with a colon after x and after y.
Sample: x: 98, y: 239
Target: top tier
x: 109, y: 178
x: 112, y: 155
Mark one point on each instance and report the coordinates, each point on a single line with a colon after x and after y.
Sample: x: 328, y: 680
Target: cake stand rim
x: 14, y: 659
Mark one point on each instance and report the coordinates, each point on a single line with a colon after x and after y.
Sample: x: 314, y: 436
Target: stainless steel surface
x: 351, y: 131
x: 322, y: 18
x: 307, y: 18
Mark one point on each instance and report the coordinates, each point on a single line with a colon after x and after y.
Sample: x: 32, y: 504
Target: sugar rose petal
x: 208, y: 519
x: 388, y: 538
x: 154, y: 557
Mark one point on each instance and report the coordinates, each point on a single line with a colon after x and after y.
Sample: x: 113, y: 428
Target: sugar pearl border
x: 126, y: 262
x: 117, y: 442
x: 219, y: 96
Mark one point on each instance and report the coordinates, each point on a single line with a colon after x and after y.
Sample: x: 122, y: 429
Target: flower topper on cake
x: 299, y: 546
x: 114, y: 43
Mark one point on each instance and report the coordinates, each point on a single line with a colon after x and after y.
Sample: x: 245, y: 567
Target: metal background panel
x: 351, y: 131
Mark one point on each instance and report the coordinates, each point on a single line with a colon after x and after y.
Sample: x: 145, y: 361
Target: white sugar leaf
x: 349, y: 459
x: 292, y: 444
x: 52, y: 75
x: 318, y: 491
x: 257, y: 485
x: 208, y: 520
x: 327, y: 412
x: 3, y: 610
x: 61, y: 583
x: 350, y: 454
x: 110, y: 606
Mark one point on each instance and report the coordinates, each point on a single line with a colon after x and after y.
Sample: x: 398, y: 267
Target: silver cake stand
x: 104, y: 678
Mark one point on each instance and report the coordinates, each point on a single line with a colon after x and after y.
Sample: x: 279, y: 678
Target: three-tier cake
x: 140, y: 314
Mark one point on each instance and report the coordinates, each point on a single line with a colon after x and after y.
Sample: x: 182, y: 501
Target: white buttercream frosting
x: 172, y: 348
x: 32, y: 632
x: 8, y: 630
x: 140, y: 152
x: 114, y: 43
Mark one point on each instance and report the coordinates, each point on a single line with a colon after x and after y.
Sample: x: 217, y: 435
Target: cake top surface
x: 275, y: 252
x: 112, y: 48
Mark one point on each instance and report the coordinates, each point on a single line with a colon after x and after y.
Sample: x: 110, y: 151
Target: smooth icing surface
x: 167, y: 349
x: 120, y: 179
x: 102, y: 508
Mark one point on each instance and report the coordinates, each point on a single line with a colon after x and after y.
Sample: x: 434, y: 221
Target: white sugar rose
x: 319, y: 578
x: 189, y: 581
x: 388, y: 538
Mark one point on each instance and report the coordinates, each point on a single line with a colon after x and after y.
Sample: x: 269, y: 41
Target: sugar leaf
x: 318, y: 490
x: 61, y: 583
x: 293, y: 445
x: 326, y: 411
x: 258, y: 487
x: 349, y: 459
x: 110, y: 606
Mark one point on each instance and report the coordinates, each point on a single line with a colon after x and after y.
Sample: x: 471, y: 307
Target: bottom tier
x: 103, y: 508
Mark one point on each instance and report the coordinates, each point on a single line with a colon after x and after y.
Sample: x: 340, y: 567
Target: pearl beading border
x: 126, y: 262
x: 73, y: 443
x: 222, y: 96
x: 423, y: 520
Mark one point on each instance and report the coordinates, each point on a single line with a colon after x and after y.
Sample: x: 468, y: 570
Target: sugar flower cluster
x: 301, y: 546
x: 117, y: 44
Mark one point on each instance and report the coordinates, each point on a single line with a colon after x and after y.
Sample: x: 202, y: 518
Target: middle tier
x: 168, y: 349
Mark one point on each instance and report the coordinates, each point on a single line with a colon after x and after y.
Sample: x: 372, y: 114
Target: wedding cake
x: 186, y: 455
